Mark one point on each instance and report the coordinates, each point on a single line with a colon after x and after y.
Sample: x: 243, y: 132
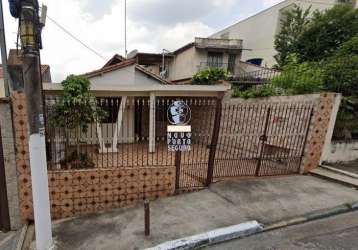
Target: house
x: 180, y: 66
x: 136, y: 101
x: 258, y: 31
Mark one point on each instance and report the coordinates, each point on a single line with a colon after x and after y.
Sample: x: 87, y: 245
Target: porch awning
x: 146, y: 90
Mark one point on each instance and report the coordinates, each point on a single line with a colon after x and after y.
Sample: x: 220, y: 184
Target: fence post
x: 214, y: 140
x: 263, y: 138
x: 177, y: 171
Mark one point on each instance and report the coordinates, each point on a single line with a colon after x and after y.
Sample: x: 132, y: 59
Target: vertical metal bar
x: 4, y: 208
x: 306, y: 136
x: 214, y: 140
x: 146, y: 218
x: 177, y: 171
x: 263, y: 139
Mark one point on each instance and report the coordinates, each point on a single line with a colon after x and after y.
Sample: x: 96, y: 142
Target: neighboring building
x: 258, y: 31
x: 180, y: 65
x: 15, y: 72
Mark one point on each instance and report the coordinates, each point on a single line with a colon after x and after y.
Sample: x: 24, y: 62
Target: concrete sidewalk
x: 227, y: 203
x: 9, y: 240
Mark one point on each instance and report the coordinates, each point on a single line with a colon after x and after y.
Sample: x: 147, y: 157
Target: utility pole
x: 4, y: 52
x: 30, y: 34
x: 125, y: 28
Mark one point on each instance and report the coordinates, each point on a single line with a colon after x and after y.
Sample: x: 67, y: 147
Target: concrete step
x: 335, y: 176
x: 339, y: 171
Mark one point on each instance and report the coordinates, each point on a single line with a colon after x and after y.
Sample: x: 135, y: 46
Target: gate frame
x: 214, y: 140
x: 4, y: 209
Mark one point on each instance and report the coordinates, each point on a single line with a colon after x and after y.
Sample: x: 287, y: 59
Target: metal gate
x: 238, y: 140
x: 192, y: 167
x: 262, y: 140
x: 4, y: 209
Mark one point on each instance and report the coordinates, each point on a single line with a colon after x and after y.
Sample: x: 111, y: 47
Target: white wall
x: 258, y: 31
x: 342, y: 152
x: 187, y: 63
x: 183, y: 65
x: 124, y: 76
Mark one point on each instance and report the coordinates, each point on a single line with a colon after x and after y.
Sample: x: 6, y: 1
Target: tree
x: 293, y: 23
x: 326, y: 32
x: 75, y: 111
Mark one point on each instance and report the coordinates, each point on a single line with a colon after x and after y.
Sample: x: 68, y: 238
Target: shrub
x: 298, y: 79
x: 256, y: 91
x: 210, y: 76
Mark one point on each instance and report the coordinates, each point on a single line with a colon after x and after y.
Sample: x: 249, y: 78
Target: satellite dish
x: 132, y: 54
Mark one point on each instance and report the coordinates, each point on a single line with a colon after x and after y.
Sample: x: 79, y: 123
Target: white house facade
x: 258, y: 31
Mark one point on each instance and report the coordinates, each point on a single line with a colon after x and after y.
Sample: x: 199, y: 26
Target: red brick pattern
x: 318, y: 131
x: 22, y: 155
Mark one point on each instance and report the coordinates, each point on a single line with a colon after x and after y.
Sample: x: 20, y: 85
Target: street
x: 333, y: 233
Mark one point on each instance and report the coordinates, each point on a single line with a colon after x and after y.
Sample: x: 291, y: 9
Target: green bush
x: 210, y: 76
x: 341, y: 75
x: 297, y: 79
x: 256, y: 91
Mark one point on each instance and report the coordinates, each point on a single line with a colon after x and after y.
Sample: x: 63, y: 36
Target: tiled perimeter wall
x: 81, y: 191
x: 318, y: 130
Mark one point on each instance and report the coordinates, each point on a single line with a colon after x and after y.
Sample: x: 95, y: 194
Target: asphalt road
x: 333, y: 233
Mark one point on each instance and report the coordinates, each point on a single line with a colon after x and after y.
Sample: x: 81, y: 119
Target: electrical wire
x: 75, y: 38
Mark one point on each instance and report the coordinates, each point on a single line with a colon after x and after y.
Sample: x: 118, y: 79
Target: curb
x: 320, y: 214
x: 249, y: 228
x: 212, y: 237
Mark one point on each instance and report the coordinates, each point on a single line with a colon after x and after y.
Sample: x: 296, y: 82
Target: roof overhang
x: 145, y: 90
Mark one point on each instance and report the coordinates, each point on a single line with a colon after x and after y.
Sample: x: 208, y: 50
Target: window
x: 351, y: 2
x: 111, y: 105
x: 215, y: 59
x: 231, y: 63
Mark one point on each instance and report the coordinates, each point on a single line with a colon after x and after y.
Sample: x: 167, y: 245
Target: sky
x: 152, y: 25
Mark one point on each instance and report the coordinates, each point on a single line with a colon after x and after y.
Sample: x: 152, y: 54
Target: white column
x: 40, y: 192
x: 120, y: 115
x: 152, y: 123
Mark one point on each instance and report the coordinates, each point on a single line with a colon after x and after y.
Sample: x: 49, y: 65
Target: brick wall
x: 11, y: 173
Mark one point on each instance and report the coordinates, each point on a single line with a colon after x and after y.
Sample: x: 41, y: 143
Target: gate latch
x: 263, y: 138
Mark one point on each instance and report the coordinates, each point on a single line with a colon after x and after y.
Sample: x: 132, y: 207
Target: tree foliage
x: 326, y: 32
x: 292, y: 23
x: 77, y: 107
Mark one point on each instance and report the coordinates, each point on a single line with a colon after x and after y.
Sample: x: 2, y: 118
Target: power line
x: 75, y: 38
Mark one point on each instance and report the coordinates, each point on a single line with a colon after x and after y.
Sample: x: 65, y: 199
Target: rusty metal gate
x: 241, y: 139
x: 4, y: 209
x: 227, y: 139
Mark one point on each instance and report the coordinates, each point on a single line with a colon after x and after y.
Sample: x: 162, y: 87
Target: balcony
x: 230, y: 67
x: 213, y: 43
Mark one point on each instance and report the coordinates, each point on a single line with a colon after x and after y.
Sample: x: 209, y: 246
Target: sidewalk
x: 9, y: 240
x: 224, y: 204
